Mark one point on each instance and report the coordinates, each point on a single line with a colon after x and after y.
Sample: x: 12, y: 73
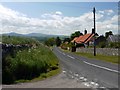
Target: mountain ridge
x: 32, y: 35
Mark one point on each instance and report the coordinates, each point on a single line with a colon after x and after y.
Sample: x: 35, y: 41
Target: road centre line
x: 70, y: 56
x: 101, y: 67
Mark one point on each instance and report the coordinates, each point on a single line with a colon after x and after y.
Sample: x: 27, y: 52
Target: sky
x: 58, y: 18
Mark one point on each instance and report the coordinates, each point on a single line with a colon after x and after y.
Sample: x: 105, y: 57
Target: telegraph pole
x: 94, y: 32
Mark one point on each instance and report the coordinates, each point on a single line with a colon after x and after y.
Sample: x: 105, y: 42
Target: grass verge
x: 42, y: 76
x: 111, y: 59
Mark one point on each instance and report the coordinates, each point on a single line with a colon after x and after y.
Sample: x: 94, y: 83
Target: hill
x: 32, y: 35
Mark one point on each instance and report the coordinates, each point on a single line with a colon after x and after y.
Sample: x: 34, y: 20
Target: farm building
x: 84, y: 40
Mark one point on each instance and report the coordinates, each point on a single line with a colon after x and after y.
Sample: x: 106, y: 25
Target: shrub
x: 102, y: 45
x: 114, y: 45
x: 28, y: 64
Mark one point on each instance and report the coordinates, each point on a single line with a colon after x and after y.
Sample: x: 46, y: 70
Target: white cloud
x: 107, y: 12
x: 58, y: 13
x: 55, y: 22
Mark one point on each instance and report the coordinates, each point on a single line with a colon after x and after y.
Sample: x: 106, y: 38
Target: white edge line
x: 63, y: 53
x: 101, y: 67
x: 70, y: 56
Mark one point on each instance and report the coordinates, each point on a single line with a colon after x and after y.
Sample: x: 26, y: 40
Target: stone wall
x: 103, y: 51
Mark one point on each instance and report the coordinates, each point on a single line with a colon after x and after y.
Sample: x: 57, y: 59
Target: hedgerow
x: 28, y: 64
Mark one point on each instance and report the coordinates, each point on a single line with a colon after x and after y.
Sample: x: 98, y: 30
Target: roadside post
x: 94, y: 32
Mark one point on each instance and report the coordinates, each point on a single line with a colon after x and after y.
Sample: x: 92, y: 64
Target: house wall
x: 103, y: 51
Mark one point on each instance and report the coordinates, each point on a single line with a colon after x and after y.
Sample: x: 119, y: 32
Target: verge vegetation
x: 28, y: 63
x: 111, y: 59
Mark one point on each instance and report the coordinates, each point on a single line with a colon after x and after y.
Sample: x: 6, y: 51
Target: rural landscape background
x: 76, y: 43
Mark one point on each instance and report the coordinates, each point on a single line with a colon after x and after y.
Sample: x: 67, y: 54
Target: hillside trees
x: 75, y: 34
x: 108, y: 33
x: 58, y: 41
x: 53, y: 41
x: 50, y: 42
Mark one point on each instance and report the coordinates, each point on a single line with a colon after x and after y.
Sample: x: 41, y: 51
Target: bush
x: 102, y: 45
x: 114, y: 45
x: 28, y: 64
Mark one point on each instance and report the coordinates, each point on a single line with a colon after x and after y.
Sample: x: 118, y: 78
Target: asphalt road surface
x: 95, y: 73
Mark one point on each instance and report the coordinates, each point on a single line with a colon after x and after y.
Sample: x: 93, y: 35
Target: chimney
x: 93, y: 31
x: 85, y: 32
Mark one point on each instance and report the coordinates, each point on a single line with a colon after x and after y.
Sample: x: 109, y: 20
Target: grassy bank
x: 42, y: 76
x: 111, y: 59
x: 18, y: 40
x: 28, y: 64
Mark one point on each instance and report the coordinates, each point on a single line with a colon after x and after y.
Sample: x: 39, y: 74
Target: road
x: 95, y: 73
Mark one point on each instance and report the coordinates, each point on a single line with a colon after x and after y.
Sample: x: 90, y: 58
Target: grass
x: 17, y: 40
x: 111, y: 59
x: 42, y: 76
x: 28, y: 64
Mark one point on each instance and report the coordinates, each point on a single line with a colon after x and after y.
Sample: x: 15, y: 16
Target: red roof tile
x: 84, y: 38
x: 79, y: 39
x: 90, y: 38
x: 74, y: 39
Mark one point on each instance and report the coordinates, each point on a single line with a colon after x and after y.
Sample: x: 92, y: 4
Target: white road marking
x: 101, y: 67
x: 85, y: 79
x: 81, y: 78
x: 92, y: 83
x: 63, y: 53
x: 76, y: 75
x: 64, y: 71
x: 70, y: 56
x: 86, y: 84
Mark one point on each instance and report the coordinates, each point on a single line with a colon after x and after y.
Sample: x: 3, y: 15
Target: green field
x: 28, y: 64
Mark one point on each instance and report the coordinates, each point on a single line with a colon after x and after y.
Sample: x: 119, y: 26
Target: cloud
x: 58, y: 13
x: 56, y: 22
x: 107, y: 12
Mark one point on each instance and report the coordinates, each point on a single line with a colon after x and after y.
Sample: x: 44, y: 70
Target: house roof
x: 79, y: 39
x: 89, y: 38
x: 74, y: 39
x: 84, y: 38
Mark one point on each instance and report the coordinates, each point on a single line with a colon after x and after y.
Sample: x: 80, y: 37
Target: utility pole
x: 94, y: 32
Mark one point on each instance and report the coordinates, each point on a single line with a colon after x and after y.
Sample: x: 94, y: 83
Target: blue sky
x: 58, y: 17
x: 67, y: 8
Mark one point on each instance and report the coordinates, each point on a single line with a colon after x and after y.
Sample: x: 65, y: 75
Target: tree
x: 76, y: 34
x: 58, y: 41
x: 50, y: 42
x: 66, y: 40
x: 108, y: 33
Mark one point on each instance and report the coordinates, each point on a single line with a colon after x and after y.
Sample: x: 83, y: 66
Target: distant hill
x: 41, y: 35
x: 13, y: 34
x: 33, y: 35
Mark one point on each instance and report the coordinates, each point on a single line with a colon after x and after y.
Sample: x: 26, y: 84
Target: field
x: 29, y: 63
